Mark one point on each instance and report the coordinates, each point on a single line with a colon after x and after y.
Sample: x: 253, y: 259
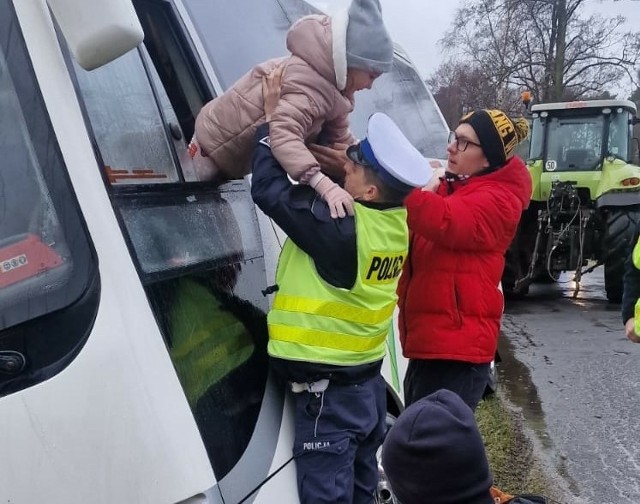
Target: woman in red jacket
x: 461, y: 225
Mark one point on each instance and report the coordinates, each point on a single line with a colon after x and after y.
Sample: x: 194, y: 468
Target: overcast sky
x: 417, y: 25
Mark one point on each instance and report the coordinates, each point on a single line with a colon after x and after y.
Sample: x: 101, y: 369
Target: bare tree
x: 459, y: 88
x: 546, y: 46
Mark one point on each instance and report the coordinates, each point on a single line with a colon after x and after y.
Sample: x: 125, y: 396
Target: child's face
x: 359, y: 79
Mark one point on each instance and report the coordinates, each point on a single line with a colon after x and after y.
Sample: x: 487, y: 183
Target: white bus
x: 132, y: 297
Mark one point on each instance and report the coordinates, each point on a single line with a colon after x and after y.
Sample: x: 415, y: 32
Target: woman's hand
x: 630, y: 331
x: 434, y: 181
x: 271, y: 91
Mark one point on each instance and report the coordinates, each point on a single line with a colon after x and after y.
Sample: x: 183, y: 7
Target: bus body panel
x: 116, y: 424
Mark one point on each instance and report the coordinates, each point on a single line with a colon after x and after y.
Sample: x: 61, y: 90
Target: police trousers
x: 337, y: 434
x: 426, y: 376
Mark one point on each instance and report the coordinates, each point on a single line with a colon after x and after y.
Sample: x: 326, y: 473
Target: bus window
x: 217, y: 340
x: 403, y: 96
x: 48, y: 276
x: 197, y: 247
x: 201, y: 261
x: 175, y: 66
x: 127, y: 122
x: 177, y: 231
x: 225, y: 28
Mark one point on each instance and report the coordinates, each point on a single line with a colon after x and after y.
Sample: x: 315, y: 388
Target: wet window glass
x: 170, y: 232
x: 536, y: 136
x: 574, y: 144
x: 217, y: 342
x: 127, y: 122
x: 619, y: 135
x: 403, y: 96
x: 223, y: 31
x: 202, y: 265
x: 46, y: 263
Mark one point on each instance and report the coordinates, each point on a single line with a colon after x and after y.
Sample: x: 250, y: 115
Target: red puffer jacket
x: 450, y: 304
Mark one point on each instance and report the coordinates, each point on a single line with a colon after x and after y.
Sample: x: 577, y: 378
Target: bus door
x: 196, y: 245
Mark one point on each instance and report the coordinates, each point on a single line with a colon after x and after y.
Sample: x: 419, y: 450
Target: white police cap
x: 394, y: 153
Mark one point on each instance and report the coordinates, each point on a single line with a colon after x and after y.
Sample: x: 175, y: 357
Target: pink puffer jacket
x: 310, y: 100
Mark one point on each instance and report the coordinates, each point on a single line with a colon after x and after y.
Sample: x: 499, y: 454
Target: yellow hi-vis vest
x: 208, y: 343
x: 313, y: 321
x: 636, y: 263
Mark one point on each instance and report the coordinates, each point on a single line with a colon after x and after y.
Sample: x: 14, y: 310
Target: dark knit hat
x: 369, y: 45
x: 499, y: 135
x: 434, y: 453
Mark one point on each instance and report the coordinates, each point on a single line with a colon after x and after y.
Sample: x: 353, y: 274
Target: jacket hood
x: 321, y: 42
x: 515, y: 173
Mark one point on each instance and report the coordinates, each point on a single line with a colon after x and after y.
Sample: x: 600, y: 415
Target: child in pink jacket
x: 331, y: 58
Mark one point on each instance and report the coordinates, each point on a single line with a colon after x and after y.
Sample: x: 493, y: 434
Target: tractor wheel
x: 621, y: 227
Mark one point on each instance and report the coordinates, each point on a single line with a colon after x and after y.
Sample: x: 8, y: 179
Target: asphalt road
x: 567, y: 364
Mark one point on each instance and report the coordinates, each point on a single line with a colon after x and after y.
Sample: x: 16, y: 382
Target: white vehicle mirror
x: 97, y: 31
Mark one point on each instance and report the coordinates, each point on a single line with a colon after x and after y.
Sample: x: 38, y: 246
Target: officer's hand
x: 630, y: 330
x: 434, y: 181
x: 271, y: 91
x: 331, y: 159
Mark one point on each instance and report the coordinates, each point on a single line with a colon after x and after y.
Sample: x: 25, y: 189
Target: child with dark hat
x: 434, y: 454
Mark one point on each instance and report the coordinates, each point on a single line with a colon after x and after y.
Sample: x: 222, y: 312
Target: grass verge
x: 512, y: 459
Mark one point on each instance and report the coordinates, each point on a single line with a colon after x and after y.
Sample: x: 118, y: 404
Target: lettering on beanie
x: 505, y: 129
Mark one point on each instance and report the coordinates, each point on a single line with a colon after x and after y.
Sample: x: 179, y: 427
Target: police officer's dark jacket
x: 331, y: 243
x: 631, y: 292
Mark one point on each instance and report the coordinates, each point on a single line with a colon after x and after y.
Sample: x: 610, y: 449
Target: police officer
x: 333, y: 309
x: 631, y: 293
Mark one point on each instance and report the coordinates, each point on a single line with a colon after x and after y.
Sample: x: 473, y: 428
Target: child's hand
x: 340, y: 201
x: 271, y: 91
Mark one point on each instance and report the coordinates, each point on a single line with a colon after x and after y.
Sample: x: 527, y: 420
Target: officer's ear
x: 371, y: 193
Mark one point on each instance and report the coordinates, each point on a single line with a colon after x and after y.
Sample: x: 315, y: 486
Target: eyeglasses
x: 461, y: 143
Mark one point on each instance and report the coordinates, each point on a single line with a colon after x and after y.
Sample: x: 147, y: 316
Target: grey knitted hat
x: 369, y: 45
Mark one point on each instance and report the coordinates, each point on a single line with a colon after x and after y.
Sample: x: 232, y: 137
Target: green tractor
x: 585, y: 204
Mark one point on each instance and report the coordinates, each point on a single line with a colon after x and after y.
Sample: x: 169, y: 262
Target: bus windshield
x: 48, y: 271
x: 37, y: 266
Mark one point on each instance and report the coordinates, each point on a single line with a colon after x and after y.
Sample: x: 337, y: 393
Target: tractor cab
x: 579, y: 136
